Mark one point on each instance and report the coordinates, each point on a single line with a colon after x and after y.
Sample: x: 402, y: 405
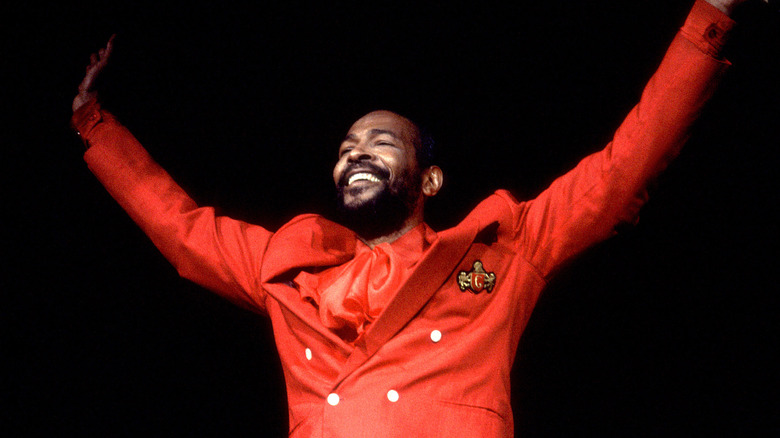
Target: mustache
x: 383, y: 174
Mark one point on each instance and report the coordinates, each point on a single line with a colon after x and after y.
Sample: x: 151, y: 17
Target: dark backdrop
x: 667, y: 328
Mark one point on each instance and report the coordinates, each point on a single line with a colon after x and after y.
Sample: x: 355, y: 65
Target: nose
x: 359, y: 153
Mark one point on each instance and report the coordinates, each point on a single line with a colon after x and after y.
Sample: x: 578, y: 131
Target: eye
x: 344, y: 151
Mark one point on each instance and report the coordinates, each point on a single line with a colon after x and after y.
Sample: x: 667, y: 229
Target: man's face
x: 377, y: 154
x: 377, y: 174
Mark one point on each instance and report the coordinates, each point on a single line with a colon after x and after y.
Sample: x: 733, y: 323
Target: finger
x: 93, y: 59
x: 110, y: 45
x: 105, y: 53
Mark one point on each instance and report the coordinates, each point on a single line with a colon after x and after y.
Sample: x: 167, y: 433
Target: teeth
x: 363, y: 176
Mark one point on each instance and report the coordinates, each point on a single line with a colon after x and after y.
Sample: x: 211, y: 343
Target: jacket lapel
x: 432, y: 271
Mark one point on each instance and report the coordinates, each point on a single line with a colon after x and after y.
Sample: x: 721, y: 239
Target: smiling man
x: 384, y: 326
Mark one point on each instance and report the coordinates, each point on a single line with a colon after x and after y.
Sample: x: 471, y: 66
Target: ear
x: 432, y: 180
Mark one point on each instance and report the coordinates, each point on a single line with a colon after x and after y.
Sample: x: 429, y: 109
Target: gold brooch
x: 477, y: 279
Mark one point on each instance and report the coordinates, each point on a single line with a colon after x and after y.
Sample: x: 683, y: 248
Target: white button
x: 308, y: 354
x: 333, y: 399
x: 392, y: 395
x: 435, y: 336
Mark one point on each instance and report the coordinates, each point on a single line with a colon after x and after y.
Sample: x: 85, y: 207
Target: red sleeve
x: 606, y: 189
x: 218, y: 253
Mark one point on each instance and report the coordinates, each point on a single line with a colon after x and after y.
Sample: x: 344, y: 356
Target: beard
x: 382, y: 214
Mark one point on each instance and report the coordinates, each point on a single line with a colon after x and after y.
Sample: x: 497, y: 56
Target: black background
x: 668, y: 328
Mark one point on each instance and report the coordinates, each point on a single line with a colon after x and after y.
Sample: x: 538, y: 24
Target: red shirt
x: 433, y: 354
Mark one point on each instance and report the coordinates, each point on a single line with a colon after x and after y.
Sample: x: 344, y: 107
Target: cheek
x: 398, y: 164
x: 337, y: 171
x: 404, y: 168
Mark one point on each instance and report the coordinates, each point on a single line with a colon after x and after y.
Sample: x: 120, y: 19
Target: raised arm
x: 218, y: 253
x: 606, y: 189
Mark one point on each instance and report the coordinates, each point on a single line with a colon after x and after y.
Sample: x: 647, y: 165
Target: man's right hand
x: 97, y: 62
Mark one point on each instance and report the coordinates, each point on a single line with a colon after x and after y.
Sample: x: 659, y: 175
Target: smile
x: 363, y: 176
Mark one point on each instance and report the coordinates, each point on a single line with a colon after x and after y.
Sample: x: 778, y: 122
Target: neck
x: 409, y: 224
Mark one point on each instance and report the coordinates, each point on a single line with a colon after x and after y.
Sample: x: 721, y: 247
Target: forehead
x: 400, y: 126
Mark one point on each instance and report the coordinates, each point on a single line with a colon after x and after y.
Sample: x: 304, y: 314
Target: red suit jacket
x: 436, y: 363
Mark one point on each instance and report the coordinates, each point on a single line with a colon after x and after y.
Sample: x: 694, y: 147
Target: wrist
x: 82, y: 99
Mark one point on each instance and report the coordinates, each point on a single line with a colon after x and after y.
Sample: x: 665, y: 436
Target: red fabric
x: 446, y: 354
x: 353, y: 295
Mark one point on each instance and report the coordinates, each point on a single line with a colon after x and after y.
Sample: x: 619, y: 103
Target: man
x: 384, y: 326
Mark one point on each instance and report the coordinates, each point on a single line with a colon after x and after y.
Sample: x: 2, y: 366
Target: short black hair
x: 425, y: 146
